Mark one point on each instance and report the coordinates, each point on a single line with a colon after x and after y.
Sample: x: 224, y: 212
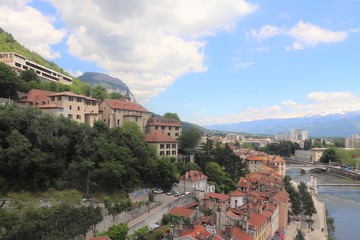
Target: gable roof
x: 221, y: 197
x: 160, y: 121
x: 159, y: 136
x: 256, y: 219
x: 37, y: 96
x: 193, y: 176
x: 199, y: 232
x: 237, y: 194
x: 125, y: 105
x: 253, y: 158
x: 181, y: 211
x: 240, y: 234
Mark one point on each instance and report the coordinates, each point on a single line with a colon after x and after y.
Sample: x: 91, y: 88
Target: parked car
x: 158, y: 190
x: 170, y: 193
x: 187, y: 193
x: 177, y: 193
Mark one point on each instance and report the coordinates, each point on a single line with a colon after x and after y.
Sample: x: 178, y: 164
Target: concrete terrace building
x: 164, y: 144
x: 169, y: 126
x: 20, y: 63
x: 114, y: 112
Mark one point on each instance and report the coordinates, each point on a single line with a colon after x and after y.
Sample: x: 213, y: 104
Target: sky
x: 209, y: 61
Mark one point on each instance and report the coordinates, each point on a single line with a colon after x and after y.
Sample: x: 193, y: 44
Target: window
x: 176, y: 128
x: 167, y: 145
x: 173, y: 153
x: 70, y: 116
x: 162, y: 127
x: 161, y: 153
x: 176, y: 134
x: 167, y: 153
x: 59, y: 98
x: 70, y: 107
x: 170, y: 128
x: 156, y: 127
x: 161, y: 146
x: 78, y: 117
x: 78, y: 99
x: 118, y: 122
x: 78, y: 108
x: 71, y: 99
x: 93, y: 103
x: 52, y: 98
x: 168, y: 134
x: 174, y: 145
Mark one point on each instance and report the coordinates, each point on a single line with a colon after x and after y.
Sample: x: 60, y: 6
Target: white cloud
x: 267, y: 31
x: 320, y: 103
x: 241, y: 64
x: 304, y: 34
x: 35, y: 32
x: 147, y: 45
x: 307, y: 34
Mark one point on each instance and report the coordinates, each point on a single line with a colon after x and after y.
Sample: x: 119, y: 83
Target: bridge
x: 337, y: 184
x: 307, y: 167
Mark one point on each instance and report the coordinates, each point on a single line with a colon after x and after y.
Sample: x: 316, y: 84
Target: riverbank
x: 318, y: 229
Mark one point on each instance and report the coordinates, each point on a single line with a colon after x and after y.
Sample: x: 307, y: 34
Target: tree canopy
x: 172, y: 116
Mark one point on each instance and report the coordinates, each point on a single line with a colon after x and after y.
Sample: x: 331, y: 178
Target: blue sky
x: 209, y: 61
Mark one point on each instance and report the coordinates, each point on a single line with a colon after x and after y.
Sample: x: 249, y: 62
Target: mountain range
x: 331, y: 125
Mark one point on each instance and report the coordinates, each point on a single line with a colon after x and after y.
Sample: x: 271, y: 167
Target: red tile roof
x: 199, y: 232
x: 159, y: 136
x: 38, y: 96
x: 253, y: 158
x: 181, y: 211
x: 160, y: 121
x: 125, y: 105
x: 237, y: 194
x: 193, y: 176
x: 256, y: 219
x: 219, y: 196
x: 240, y: 234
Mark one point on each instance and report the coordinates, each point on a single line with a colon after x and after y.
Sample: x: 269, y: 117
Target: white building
x: 294, y: 135
x: 20, y: 63
x: 353, y: 141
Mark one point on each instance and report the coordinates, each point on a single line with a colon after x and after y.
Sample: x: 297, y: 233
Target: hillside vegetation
x: 9, y: 44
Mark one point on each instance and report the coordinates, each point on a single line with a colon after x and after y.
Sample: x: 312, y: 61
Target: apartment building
x: 169, y: 126
x: 20, y: 63
x: 353, y: 141
x: 77, y: 107
x: 115, y: 112
x: 164, y: 144
x: 293, y: 135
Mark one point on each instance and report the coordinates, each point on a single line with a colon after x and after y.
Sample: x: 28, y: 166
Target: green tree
x: 214, y: 172
x: 99, y: 93
x: 9, y: 82
x: 188, y: 141
x: 116, y: 232
x: 172, y: 116
x: 115, y: 95
x: 329, y: 155
x: 29, y: 75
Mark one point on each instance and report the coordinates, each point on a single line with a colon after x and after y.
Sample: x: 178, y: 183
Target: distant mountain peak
x: 108, y: 82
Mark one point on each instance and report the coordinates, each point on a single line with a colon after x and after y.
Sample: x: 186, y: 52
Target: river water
x: 342, y: 203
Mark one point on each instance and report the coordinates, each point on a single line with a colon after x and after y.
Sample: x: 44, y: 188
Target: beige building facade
x: 169, y: 126
x: 115, y: 112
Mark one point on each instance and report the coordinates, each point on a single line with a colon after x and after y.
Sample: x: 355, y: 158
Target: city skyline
x: 209, y: 61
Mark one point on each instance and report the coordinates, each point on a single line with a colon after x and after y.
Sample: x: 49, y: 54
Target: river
x: 342, y: 203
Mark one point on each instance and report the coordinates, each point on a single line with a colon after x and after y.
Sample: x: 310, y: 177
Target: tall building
x: 353, y: 141
x: 20, y: 63
x: 294, y: 135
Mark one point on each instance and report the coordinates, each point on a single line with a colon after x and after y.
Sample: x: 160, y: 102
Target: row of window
x: 167, y: 153
x: 167, y: 145
x: 71, y: 116
x: 163, y: 128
